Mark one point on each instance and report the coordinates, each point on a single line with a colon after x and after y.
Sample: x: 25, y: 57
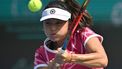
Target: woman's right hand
x: 64, y: 57
x: 53, y: 65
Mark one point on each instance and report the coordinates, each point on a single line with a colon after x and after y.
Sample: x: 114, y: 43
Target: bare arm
x: 95, y: 56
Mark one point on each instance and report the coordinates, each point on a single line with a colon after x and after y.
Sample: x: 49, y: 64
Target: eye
x: 46, y: 23
x: 60, y: 22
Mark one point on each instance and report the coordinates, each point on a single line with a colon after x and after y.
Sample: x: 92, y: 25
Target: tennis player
x: 85, y: 50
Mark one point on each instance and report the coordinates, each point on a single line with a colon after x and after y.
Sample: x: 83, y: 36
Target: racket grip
x: 61, y: 51
x: 64, y: 47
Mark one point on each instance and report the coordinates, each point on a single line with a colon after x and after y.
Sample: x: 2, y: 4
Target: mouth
x: 53, y: 34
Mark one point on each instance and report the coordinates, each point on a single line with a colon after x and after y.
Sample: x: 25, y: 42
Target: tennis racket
x: 74, y: 24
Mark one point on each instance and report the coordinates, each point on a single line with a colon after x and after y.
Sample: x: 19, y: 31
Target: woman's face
x: 55, y: 30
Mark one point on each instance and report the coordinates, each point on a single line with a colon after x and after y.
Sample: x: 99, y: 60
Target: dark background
x: 21, y: 32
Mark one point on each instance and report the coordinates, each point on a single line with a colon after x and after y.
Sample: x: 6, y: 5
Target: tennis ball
x: 34, y: 5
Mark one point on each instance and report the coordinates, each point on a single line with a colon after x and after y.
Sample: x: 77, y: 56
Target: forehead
x: 52, y: 20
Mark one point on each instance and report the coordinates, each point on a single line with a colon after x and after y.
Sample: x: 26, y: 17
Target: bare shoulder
x: 94, y: 44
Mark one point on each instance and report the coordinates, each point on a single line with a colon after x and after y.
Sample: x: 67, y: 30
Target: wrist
x: 70, y: 58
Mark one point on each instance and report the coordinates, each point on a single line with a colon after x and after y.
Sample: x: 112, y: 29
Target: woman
x: 84, y: 52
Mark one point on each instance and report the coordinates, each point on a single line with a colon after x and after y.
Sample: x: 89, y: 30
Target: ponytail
x: 74, y: 10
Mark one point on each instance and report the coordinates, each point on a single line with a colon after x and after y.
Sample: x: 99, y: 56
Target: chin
x: 54, y: 39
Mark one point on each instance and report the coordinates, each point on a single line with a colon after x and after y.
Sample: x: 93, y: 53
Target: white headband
x: 55, y: 13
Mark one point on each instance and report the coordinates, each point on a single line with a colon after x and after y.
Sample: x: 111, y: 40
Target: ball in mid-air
x: 34, y: 5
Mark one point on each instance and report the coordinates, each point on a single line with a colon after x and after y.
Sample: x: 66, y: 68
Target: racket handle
x: 64, y: 47
x: 62, y: 51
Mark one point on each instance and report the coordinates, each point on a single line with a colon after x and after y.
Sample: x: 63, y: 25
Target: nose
x: 53, y: 27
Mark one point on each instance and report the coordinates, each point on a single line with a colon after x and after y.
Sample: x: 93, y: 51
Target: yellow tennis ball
x: 34, y: 5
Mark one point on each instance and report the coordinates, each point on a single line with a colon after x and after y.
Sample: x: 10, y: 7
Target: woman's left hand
x: 63, y: 57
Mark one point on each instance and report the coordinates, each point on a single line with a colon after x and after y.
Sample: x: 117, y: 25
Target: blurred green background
x: 100, y: 9
x: 21, y: 32
x: 16, y: 16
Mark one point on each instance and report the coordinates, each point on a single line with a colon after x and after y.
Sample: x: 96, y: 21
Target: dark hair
x: 73, y: 7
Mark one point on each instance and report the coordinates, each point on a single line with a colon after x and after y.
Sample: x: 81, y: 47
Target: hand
x: 63, y: 57
x: 53, y: 65
x: 67, y: 56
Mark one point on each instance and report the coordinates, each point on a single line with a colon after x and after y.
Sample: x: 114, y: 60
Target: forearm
x: 95, y: 56
x: 90, y: 60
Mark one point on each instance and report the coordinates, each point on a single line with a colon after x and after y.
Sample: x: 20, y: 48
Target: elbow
x: 104, y: 62
x: 101, y: 64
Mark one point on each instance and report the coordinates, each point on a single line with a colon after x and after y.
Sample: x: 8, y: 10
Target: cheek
x: 45, y: 30
x: 64, y: 29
